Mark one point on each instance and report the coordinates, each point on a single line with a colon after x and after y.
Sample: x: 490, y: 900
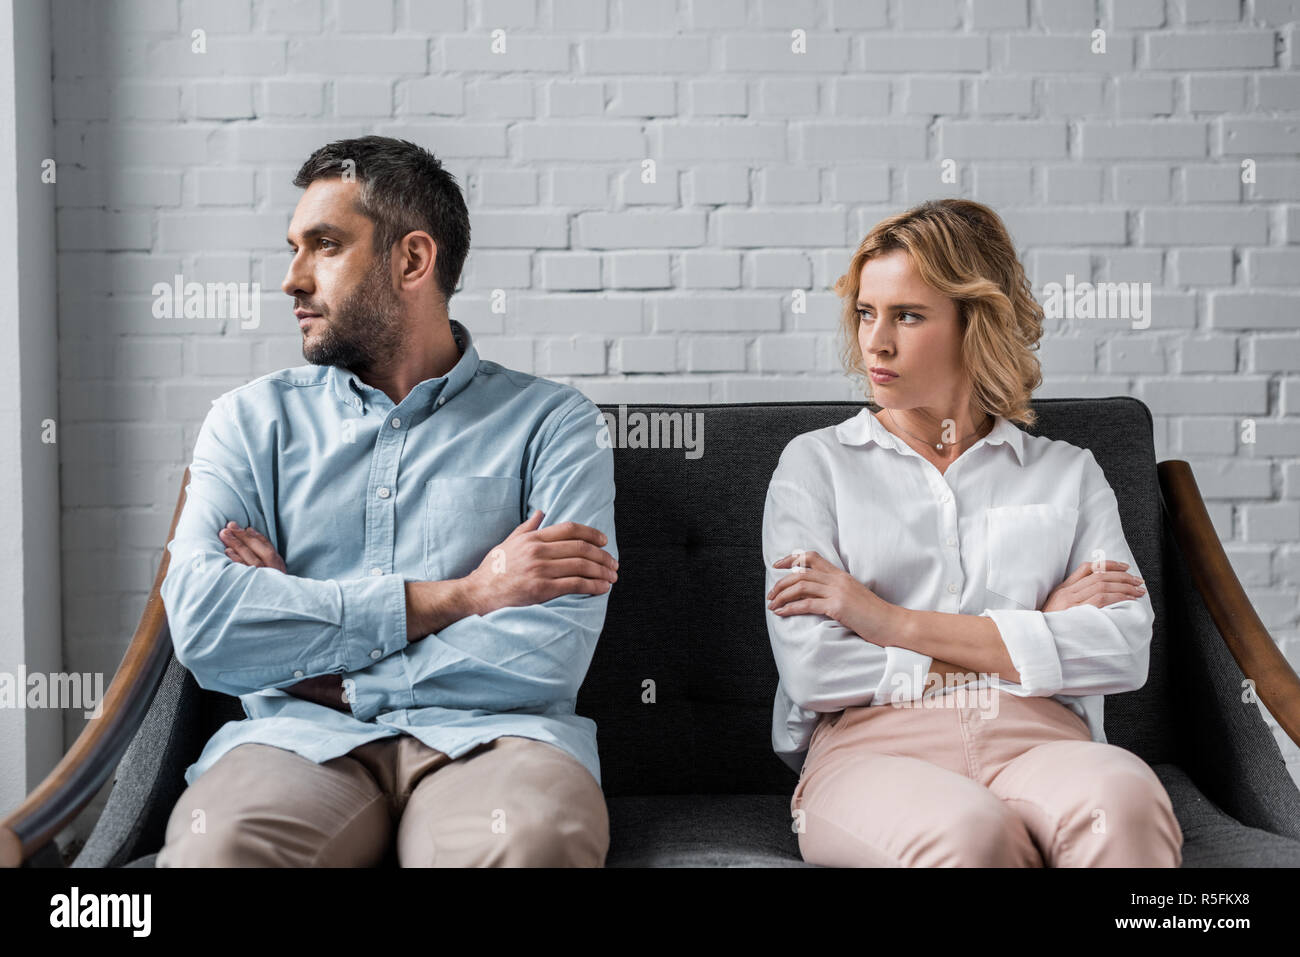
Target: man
x: 398, y: 557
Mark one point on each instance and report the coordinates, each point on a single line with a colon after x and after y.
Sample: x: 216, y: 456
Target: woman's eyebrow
x: 913, y: 306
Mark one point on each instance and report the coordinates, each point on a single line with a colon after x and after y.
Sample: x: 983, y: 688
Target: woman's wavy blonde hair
x: 962, y: 250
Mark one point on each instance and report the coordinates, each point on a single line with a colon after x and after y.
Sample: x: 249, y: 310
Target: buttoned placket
x: 381, y: 523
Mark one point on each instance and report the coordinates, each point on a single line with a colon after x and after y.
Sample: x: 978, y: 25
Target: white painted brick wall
x: 770, y: 165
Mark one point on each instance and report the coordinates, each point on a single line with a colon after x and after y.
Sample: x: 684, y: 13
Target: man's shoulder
x: 545, y: 396
x: 272, y: 385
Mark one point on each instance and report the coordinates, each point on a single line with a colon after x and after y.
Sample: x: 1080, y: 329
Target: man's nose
x: 296, y: 283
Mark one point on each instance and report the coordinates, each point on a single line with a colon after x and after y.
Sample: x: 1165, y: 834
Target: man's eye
x: 330, y: 241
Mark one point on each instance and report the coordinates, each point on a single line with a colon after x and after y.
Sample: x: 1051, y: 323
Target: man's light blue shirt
x: 359, y: 496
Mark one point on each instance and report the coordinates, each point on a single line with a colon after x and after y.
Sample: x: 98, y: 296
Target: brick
x: 1242, y: 137
x: 635, y: 192
x: 300, y: 98
x: 571, y: 271
x: 647, y: 354
x: 706, y: 313
x: 1272, y: 267
x: 1202, y: 267
x: 493, y: 98
x: 717, y: 97
x: 1134, y: 140
x: 585, y: 141
x: 748, y: 228
x: 223, y: 100
x: 703, y: 269
x: 578, y: 187
x: 560, y: 314
x: 633, y: 229
x: 518, y: 228
x: 522, y: 53
x: 714, y: 141
x: 715, y: 185
x: 779, y: 269
x: 715, y: 354
x: 859, y: 141
x: 1202, y: 227
x: 583, y: 98
x: 644, y: 98
x: 967, y: 139
x: 1205, y: 354
x: 932, y: 94
x: 774, y: 53
x: 1068, y: 54
x: 1220, y: 50
x: 1257, y: 310
x: 638, y: 270
x: 999, y: 14
x: 654, y: 55
x: 508, y: 187
x: 788, y: 184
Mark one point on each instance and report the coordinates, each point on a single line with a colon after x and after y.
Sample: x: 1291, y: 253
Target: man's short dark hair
x: 403, y: 188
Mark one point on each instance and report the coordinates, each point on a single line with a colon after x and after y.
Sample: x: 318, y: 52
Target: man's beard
x: 364, y: 332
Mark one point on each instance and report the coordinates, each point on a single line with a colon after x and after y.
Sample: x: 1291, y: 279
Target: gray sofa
x: 691, y: 779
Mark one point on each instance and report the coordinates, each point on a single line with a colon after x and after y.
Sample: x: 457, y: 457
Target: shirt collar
x: 351, y: 390
x: 865, y: 427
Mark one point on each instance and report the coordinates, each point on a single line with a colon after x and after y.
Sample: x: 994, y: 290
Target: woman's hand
x: 1089, y: 587
x: 248, y: 546
x: 819, y: 588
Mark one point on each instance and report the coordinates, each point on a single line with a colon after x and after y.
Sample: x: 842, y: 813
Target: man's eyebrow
x: 319, y: 229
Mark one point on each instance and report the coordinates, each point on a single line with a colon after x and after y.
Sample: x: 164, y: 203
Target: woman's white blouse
x: 1008, y: 521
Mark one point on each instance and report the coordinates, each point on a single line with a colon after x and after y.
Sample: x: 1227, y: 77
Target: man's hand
x: 248, y: 546
x: 1090, y: 587
x: 534, y: 565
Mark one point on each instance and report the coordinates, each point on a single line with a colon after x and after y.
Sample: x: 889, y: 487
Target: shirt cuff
x: 1032, y: 648
x: 374, y: 619
x: 904, y: 677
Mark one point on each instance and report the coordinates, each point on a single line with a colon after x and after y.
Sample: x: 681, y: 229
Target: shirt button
x: 442, y: 399
x: 384, y: 493
x: 947, y: 497
x: 198, y: 564
x: 376, y: 653
x: 951, y: 540
x: 297, y: 674
x: 397, y: 423
x: 952, y: 587
x: 376, y: 571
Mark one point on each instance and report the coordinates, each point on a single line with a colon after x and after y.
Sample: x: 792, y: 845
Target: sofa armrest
x: 1216, y: 641
x: 1259, y: 657
x: 27, y: 833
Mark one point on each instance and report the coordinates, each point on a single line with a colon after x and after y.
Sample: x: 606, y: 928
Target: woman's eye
x: 863, y: 315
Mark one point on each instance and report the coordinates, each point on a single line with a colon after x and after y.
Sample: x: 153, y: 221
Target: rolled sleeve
x: 823, y: 666
x: 374, y: 618
x: 904, y: 677
x: 1032, y: 648
x: 242, y: 629
x: 1084, y: 650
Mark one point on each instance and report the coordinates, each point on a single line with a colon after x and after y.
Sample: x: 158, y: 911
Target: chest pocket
x: 1028, y: 550
x: 465, y: 517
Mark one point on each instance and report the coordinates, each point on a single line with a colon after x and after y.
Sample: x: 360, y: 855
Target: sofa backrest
x: 682, y: 682
x: 687, y: 613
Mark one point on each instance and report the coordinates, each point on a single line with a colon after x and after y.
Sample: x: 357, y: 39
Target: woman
x: 950, y: 597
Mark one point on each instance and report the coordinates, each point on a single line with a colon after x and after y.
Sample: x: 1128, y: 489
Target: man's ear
x: 416, y: 258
